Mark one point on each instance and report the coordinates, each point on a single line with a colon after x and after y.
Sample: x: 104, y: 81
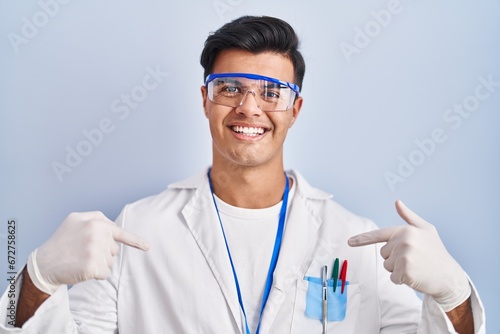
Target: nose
x: 249, y: 106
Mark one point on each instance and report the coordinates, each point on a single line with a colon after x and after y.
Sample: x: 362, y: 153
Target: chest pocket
x: 306, y: 318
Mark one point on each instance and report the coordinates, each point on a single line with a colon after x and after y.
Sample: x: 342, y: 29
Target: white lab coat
x: 184, y: 284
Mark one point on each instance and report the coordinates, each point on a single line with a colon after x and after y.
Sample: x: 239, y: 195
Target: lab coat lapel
x: 204, y: 225
x: 299, y: 240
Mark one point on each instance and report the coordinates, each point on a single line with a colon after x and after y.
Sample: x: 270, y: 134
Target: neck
x: 248, y: 187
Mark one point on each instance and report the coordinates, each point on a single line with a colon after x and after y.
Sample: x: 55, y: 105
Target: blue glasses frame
x: 213, y: 76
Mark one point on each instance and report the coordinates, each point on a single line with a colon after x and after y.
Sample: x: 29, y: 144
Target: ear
x: 204, y: 97
x: 297, y: 105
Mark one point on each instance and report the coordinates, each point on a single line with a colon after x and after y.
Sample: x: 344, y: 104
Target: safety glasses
x: 231, y: 90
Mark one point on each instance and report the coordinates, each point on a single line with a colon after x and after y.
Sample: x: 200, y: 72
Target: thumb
x: 409, y: 216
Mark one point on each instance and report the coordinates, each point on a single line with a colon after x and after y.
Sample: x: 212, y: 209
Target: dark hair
x: 255, y: 34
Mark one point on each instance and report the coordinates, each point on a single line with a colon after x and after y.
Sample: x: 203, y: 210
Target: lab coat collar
x: 299, y: 240
x: 201, y: 219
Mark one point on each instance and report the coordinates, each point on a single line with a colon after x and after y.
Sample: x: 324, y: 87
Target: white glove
x: 416, y: 256
x: 82, y: 248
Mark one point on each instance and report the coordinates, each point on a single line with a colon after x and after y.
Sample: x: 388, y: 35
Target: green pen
x: 335, y: 273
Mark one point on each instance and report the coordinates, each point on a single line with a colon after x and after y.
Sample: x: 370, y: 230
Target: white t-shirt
x: 250, y: 235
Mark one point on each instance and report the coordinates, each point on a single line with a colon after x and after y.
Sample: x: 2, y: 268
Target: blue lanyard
x: 274, y: 258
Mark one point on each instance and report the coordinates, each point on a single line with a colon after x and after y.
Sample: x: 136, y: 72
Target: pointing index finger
x: 130, y: 239
x: 372, y: 237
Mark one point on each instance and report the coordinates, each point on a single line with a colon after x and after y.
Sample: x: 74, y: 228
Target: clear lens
x: 231, y: 91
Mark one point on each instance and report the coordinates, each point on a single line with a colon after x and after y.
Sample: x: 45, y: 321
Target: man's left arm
x: 416, y: 256
x: 462, y: 318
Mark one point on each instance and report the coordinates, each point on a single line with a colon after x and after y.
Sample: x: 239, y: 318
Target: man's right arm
x: 81, y: 249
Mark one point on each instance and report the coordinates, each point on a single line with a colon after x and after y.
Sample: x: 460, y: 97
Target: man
x: 240, y: 247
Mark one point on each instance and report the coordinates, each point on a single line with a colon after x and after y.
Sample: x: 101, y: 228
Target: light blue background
x: 358, y: 116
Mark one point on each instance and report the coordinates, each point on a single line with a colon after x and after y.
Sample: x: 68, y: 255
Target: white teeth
x: 248, y: 131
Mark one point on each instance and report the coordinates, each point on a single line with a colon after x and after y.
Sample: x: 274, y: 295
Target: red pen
x: 343, y: 275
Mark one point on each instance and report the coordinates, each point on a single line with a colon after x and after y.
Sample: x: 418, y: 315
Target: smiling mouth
x: 248, y: 131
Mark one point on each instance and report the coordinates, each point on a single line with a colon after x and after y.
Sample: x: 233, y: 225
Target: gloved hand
x: 416, y: 256
x: 82, y: 248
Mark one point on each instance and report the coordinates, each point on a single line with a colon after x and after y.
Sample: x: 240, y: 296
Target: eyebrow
x: 228, y: 79
x: 271, y: 84
x: 266, y: 83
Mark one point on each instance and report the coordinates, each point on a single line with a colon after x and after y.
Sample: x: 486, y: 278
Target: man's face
x: 232, y: 146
